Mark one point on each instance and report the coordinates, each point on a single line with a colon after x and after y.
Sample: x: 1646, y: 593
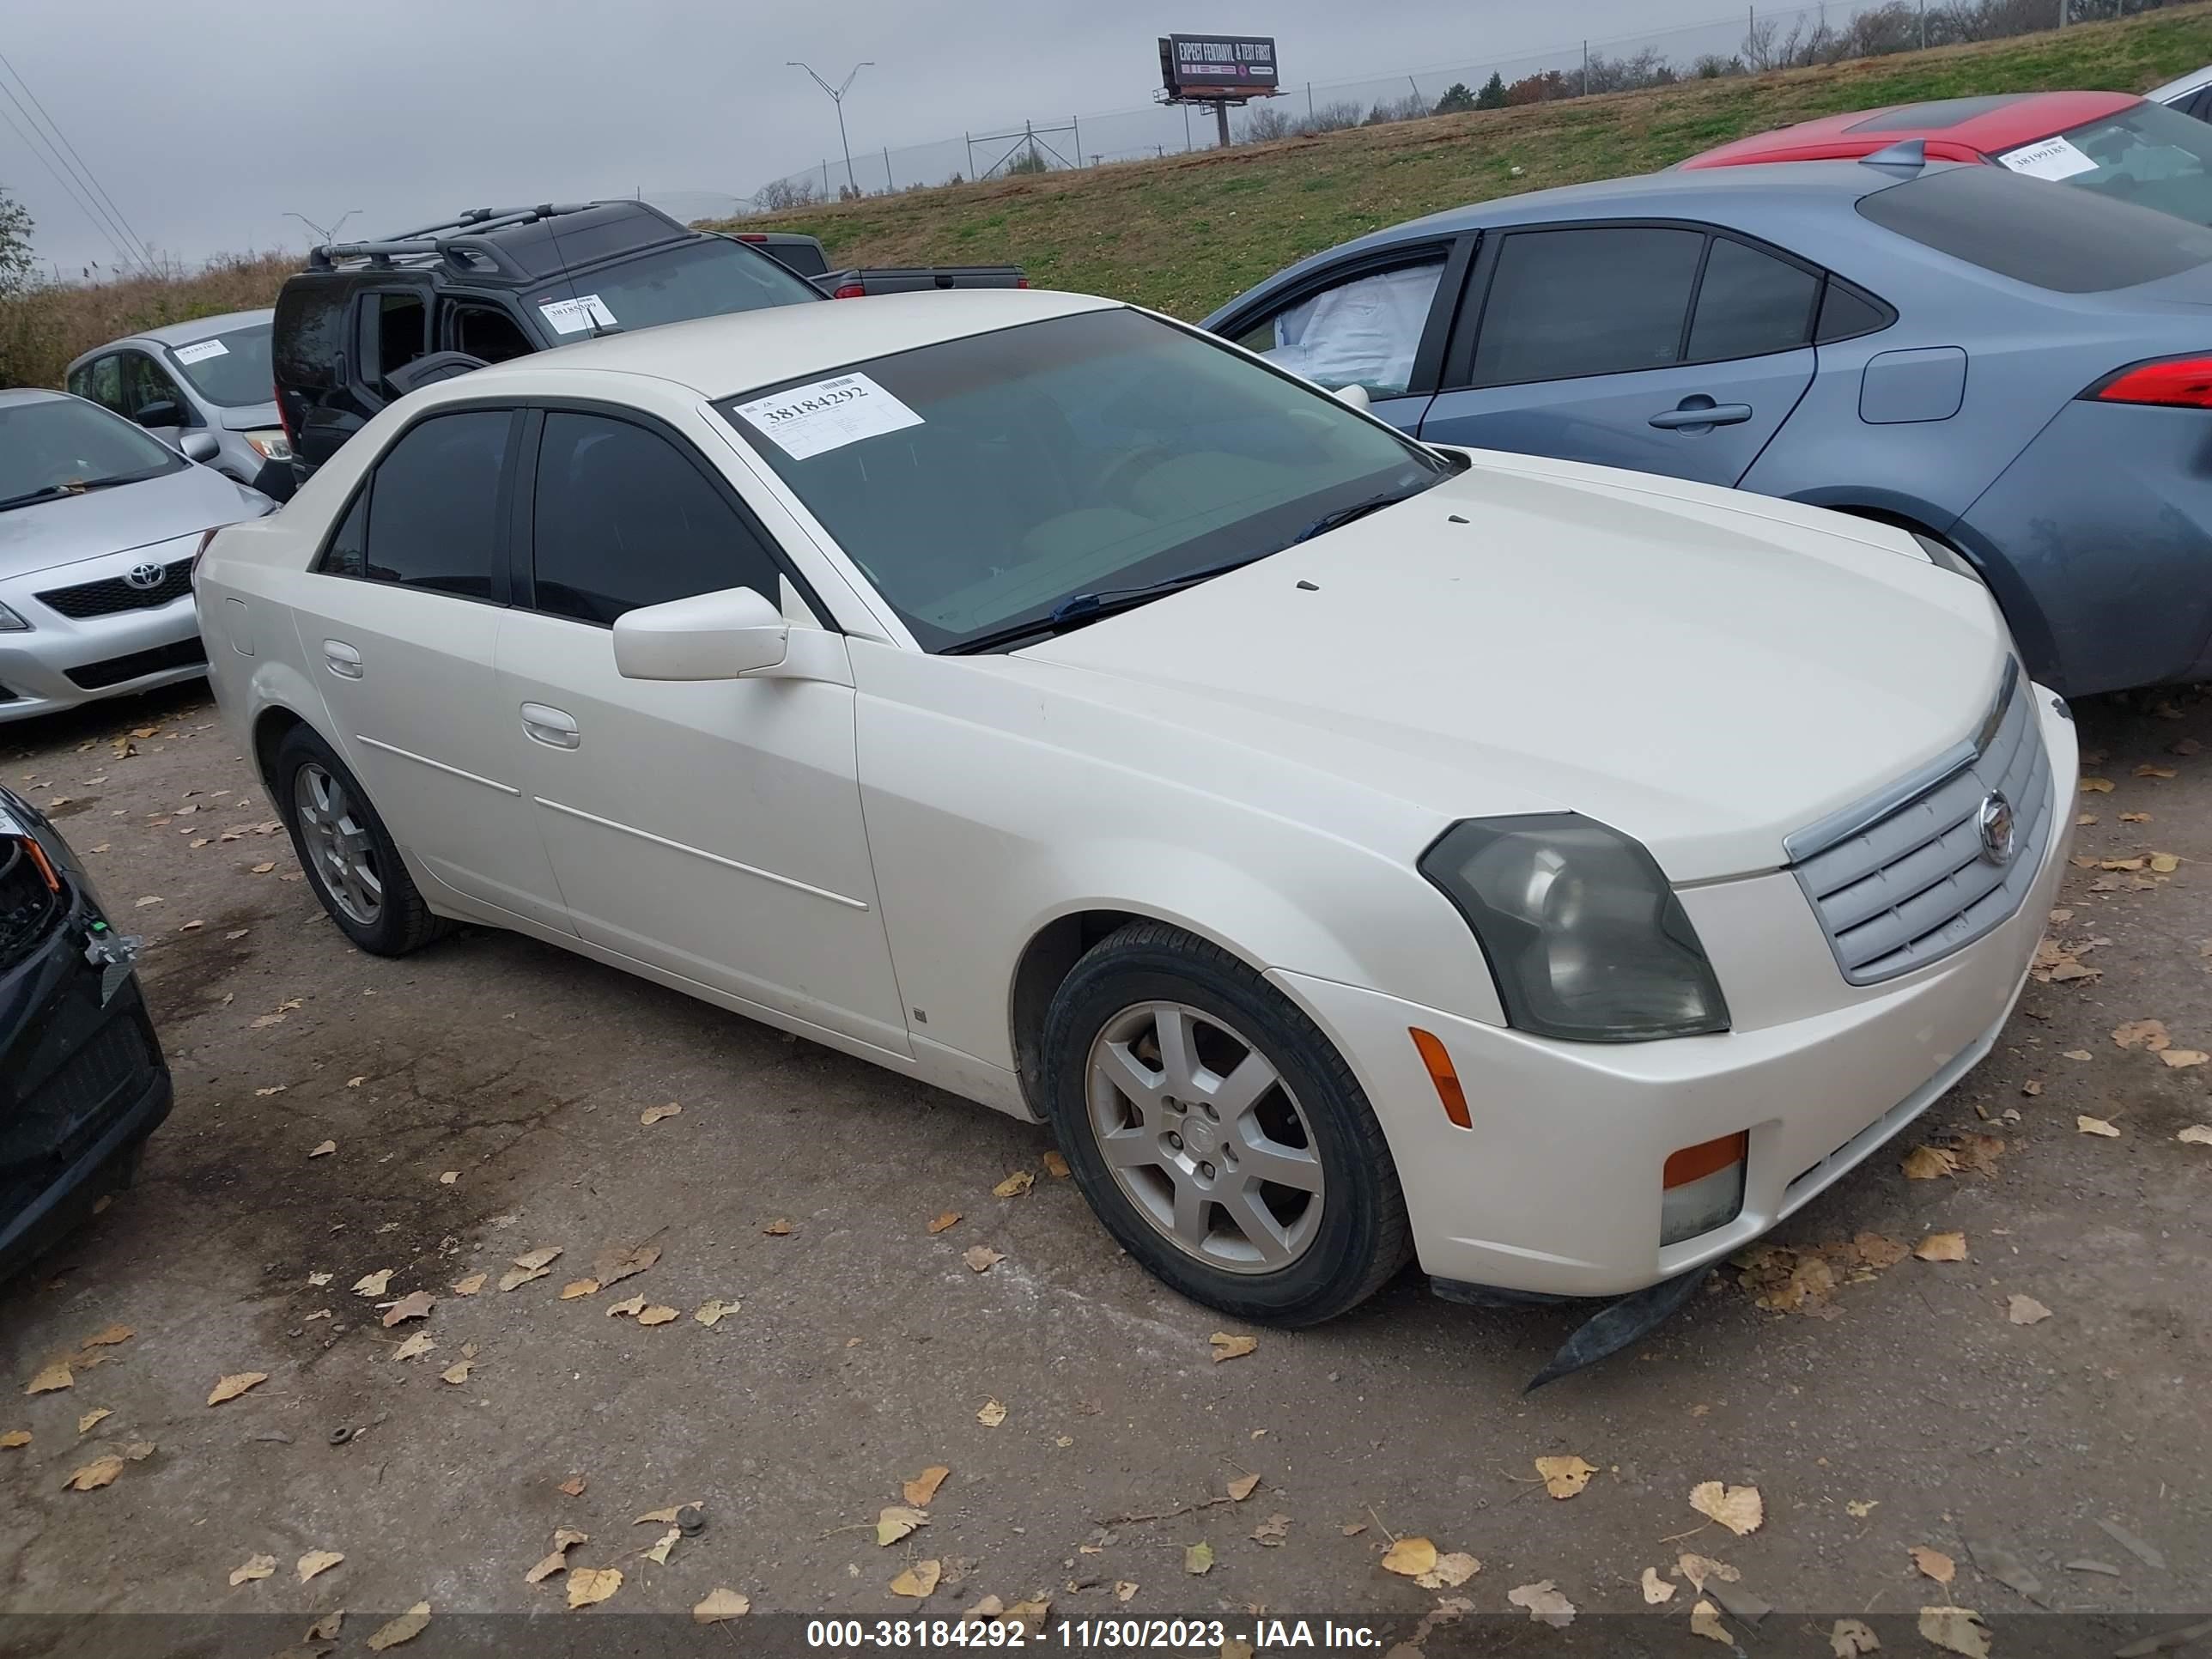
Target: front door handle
x: 551, y: 727
x: 342, y: 659
x: 1697, y: 414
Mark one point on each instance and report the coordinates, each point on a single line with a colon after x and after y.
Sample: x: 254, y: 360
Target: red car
x: 2113, y: 143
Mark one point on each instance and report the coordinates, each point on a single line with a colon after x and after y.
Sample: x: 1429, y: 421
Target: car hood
x: 1705, y: 670
x: 248, y: 417
x: 114, y: 520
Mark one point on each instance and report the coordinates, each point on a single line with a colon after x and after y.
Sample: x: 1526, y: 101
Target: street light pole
x: 837, y: 97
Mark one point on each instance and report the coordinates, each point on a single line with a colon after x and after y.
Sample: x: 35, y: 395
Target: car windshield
x: 986, y: 481
x: 53, y: 446
x: 230, y: 368
x: 706, y: 278
x: 2147, y: 155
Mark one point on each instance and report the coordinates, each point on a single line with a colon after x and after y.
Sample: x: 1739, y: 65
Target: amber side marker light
x: 1703, y: 1186
x: 1448, y: 1093
x: 53, y: 880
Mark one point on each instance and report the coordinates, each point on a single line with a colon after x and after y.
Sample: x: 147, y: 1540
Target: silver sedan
x: 99, y: 526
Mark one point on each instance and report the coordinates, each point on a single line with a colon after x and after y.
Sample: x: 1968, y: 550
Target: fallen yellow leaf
x: 373, y: 1284
x: 85, y: 1424
x: 2096, y: 786
x: 1933, y: 1564
x: 229, y: 1387
x: 458, y: 1372
x: 1198, y: 1558
x: 1698, y: 1568
x: 405, y: 1628
x: 324, y: 1150
x: 992, y: 1415
x: 659, y: 1553
x: 1850, y: 1639
x: 13, y: 1439
x: 1656, y: 1589
x: 1739, y: 1509
x: 1226, y: 1346
x: 2095, y: 1126
x: 628, y: 1306
x: 779, y: 1228
x: 721, y: 1604
x: 94, y: 1474
x: 1956, y: 1629
x: 1056, y: 1166
x: 653, y: 1115
x: 919, y: 1490
x: 2179, y: 1058
x: 416, y: 1304
x: 414, y: 1346
x: 1942, y: 1247
x: 2165, y: 863
x: 1409, y: 1557
x: 917, y: 1580
x: 657, y: 1313
x: 2142, y: 1034
x: 56, y: 1375
x: 563, y: 1541
x: 895, y: 1522
x: 469, y: 1286
x: 1565, y: 1476
x: 713, y: 1311
x: 257, y: 1566
x: 2026, y: 1311
x: 1544, y: 1603
x: 1243, y: 1487
x: 2196, y: 1134
x: 589, y: 1586
x: 980, y: 1258
x: 2146, y: 770
x: 950, y: 1218
x: 1450, y: 1571
x: 578, y: 1287
x: 315, y: 1561
x: 108, y: 1338
x: 1929, y: 1163
x: 1705, y: 1622
x: 1014, y: 1185
x: 620, y: 1261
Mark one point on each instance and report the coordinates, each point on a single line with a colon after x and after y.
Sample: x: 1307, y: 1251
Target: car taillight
x: 850, y: 291
x: 1021, y: 282
x: 283, y: 419
x: 752, y: 236
x: 2174, y: 382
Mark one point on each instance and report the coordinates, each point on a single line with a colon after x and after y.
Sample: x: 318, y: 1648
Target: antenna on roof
x: 1906, y: 155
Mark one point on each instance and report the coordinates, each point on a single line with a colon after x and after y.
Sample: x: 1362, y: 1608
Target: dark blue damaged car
x: 82, y: 1082
x: 2019, y: 373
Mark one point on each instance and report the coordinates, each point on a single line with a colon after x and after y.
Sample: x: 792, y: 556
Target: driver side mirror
x: 723, y: 636
x: 199, y: 447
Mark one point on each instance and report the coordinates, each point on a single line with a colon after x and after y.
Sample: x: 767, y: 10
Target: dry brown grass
x: 41, y: 330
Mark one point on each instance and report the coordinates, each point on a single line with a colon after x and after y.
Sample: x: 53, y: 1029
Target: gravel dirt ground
x: 485, y: 1100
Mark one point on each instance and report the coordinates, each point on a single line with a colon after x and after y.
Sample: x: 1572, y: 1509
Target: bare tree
x: 781, y: 193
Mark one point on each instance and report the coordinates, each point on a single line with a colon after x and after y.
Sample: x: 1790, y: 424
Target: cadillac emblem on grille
x: 1995, y: 821
x: 145, y: 577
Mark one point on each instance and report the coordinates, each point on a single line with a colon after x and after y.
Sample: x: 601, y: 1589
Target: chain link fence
x: 1757, y: 39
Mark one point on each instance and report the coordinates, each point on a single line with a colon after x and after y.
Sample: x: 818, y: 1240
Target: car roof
x: 178, y: 334
x: 32, y: 394
x: 718, y: 356
x: 1986, y: 125
x: 2180, y: 86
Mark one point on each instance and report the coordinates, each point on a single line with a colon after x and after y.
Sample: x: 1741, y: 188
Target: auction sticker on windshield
x: 200, y: 350
x: 826, y: 415
x: 2048, y: 158
x: 574, y: 316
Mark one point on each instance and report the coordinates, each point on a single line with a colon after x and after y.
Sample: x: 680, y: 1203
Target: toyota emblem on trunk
x: 1995, y: 821
x: 144, y: 577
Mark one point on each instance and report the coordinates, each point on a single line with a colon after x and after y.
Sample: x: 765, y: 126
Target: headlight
x: 1585, y: 937
x: 270, y: 445
x: 10, y: 623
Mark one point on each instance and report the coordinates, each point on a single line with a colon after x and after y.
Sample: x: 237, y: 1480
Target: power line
x: 70, y: 190
x: 145, y: 252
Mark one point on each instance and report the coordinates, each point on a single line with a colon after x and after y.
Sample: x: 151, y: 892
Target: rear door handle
x: 1700, y: 412
x: 551, y: 727
x: 342, y: 659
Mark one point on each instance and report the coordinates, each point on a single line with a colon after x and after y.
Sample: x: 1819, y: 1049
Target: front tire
x: 349, y: 856
x: 1218, y: 1134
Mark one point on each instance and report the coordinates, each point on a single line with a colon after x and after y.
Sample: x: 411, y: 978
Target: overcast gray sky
x: 205, y: 123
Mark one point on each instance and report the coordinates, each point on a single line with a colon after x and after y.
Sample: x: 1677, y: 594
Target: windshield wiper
x: 1080, y: 608
x: 61, y: 491
x: 1344, y: 515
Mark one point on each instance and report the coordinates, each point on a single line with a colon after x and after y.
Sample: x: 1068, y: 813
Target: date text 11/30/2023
x: 1088, y: 1635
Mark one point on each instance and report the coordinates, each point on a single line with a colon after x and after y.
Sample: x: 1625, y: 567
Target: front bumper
x: 59, y: 662
x: 1556, y: 1188
x: 82, y: 1083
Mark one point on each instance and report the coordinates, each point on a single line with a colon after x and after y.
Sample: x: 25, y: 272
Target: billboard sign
x: 1218, y: 65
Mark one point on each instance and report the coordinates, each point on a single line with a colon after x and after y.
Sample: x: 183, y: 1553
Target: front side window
x: 622, y: 518
x: 230, y: 368
x: 982, y: 483
x: 1597, y: 300
x: 1364, y: 332
x: 144, y: 383
x: 433, y: 505
x: 53, y: 446
x: 706, y: 278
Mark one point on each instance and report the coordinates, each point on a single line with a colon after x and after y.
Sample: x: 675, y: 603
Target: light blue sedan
x: 2021, y: 375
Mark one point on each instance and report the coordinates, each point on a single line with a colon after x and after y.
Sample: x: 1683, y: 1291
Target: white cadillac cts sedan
x: 1353, y: 850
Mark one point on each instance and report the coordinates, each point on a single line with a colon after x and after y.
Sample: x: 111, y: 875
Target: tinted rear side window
x: 1596, y: 301
x: 433, y: 505
x: 1750, y: 304
x: 2069, y: 241
x: 805, y: 257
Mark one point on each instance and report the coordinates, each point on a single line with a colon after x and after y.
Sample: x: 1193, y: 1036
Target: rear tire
x: 1218, y: 1134
x: 351, y: 858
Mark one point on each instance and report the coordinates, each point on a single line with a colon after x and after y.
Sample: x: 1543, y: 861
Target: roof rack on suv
x: 459, y: 241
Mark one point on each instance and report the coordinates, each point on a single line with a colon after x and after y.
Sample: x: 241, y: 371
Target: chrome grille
x: 1902, y: 880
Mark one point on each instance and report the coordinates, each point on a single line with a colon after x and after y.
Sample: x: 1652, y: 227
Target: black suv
x: 369, y: 321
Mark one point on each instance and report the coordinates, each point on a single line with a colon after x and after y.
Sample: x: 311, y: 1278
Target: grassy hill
x: 1186, y: 234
